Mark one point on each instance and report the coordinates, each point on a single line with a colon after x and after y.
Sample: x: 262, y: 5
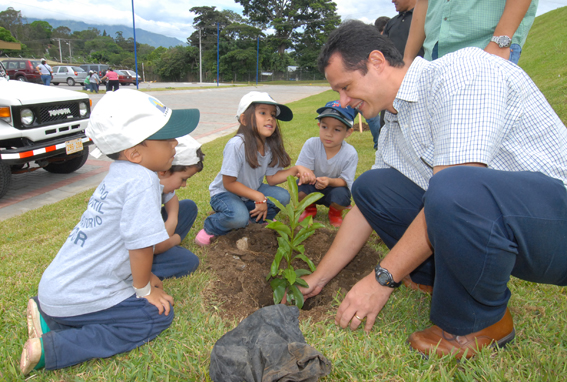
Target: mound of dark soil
x: 240, y: 285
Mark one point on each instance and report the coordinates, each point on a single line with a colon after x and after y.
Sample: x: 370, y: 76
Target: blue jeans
x: 46, y: 79
x: 337, y: 195
x: 515, y: 51
x: 115, y: 330
x: 178, y: 261
x: 484, y: 226
x: 233, y: 213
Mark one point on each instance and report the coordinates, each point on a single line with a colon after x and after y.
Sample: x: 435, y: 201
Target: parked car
x: 41, y: 127
x: 3, y: 74
x: 22, y: 69
x: 124, y: 78
x: 100, y: 69
x: 68, y: 74
x: 133, y: 74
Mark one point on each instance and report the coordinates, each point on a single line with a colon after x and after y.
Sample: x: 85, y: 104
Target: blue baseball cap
x: 333, y: 109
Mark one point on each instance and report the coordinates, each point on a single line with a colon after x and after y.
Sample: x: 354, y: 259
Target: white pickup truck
x: 41, y: 127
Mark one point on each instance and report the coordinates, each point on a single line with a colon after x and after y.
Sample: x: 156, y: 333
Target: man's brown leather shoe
x: 415, y: 286
x: 436, y: 340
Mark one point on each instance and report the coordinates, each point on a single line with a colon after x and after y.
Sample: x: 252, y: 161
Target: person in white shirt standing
x: 46, y: 72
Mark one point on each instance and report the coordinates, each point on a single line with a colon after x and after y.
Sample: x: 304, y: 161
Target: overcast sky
x: 172, y: 17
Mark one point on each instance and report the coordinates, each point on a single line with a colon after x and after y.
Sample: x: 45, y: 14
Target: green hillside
x: 544, y: 58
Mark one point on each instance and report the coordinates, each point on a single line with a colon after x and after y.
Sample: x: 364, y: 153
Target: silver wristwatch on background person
x: 502, y: 41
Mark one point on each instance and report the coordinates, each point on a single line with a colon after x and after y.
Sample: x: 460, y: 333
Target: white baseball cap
x: 186, y: 151
x: 124, y: 118
x: 283, y: 113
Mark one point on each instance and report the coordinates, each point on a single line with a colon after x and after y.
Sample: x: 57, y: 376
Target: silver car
x: 68, y: 74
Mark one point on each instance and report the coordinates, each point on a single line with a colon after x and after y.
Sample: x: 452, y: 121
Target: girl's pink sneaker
x: 203, y: 238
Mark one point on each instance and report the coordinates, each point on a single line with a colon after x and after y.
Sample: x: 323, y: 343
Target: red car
x: 124, y: 78
x: 22, y: 69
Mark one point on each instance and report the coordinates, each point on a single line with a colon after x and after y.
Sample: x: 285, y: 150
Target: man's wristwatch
x: 502, y: 41
x: 385, y: 278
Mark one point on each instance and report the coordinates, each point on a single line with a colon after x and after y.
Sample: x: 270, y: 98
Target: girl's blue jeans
x: 484, y: 226
x: 231, y: 212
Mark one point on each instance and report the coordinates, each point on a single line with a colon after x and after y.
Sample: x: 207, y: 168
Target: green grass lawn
x: 30, y: 241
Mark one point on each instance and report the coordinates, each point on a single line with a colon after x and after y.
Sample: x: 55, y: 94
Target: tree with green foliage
x: 11, y: 20
x: 286, y: 17
x: 176, y: 62
x: 5, y: 35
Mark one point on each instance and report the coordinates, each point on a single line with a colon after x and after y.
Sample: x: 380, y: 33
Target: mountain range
x: 142, y: 36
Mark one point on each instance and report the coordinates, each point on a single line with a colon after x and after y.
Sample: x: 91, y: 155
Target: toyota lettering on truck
x: 41, y: 127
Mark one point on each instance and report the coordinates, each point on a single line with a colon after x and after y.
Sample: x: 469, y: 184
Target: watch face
x: 383, y: 279
x: 504, y: 41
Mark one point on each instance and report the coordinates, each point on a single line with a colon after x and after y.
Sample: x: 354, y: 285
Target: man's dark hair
x: 381, y: 22
x: 354, y: 40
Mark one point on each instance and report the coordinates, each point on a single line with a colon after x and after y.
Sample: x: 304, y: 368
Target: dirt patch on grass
x: 240, y: 287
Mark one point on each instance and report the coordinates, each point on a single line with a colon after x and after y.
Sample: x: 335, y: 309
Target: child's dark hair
x: 274, y: 142
x: 116, y: 156
x: 198, y: 165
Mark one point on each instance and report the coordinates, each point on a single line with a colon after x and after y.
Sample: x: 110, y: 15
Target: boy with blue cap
x: 332, y: 160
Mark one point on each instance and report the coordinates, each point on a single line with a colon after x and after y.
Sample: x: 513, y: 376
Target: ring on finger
x: 359, y: 319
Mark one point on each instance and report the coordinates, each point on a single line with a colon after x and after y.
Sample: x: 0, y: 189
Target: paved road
x: 218, y: 109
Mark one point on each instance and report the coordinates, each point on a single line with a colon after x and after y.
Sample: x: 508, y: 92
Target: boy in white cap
x: 99, y: 297
x: 172, y: 260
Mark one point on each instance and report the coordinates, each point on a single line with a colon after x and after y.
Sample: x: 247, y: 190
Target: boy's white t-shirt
x: 342, y: 165
x: 166, y: 197
x: 92, y: 270
x: 234, y: 164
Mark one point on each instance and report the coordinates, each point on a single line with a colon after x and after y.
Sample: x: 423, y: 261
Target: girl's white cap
x: 283, y: 113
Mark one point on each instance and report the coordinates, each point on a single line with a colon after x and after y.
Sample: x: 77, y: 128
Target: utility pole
x: 60, y: 54
x: 70, y: 54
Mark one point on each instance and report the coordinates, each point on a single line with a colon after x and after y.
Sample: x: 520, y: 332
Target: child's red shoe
x: 310, y: 210
x: 335, y: 217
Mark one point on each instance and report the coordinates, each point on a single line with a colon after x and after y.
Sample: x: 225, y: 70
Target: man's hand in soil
x: 365, y: 300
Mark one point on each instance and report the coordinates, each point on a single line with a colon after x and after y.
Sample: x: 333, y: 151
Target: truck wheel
x: 70, y: 82
x: 5, y: 179
x: 21, y: 78
x: 70, y: 165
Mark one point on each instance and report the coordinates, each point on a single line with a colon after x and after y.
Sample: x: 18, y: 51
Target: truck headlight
x: 26, y: 116
x: 83, y: 109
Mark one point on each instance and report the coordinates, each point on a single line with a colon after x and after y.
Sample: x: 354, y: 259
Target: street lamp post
x: 135, y: 53
x: 200, y: 60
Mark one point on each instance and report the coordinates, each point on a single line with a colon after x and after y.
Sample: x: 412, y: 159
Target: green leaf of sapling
x: 290, y: 276
x: 297, y: 296
x: 278, y: 286
x: 277, y: 203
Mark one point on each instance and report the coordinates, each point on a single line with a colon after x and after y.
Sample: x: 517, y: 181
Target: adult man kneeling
x: 468, y: 188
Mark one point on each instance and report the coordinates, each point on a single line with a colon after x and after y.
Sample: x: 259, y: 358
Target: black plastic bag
x: 267, y: 346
